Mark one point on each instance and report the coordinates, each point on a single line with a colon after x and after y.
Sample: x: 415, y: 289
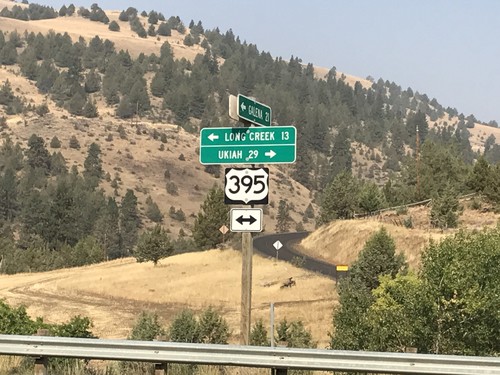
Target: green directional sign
x: 270, y: 145
x: 254, y: 112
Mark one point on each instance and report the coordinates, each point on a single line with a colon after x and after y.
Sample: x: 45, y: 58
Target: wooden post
x: 279, y: 371
x: 160, y: 368
x: 246, y: 286
x: 272, y: 325
x: 41, y: 364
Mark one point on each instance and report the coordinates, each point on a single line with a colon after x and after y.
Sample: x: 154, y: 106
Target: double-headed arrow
x: 242, y: 220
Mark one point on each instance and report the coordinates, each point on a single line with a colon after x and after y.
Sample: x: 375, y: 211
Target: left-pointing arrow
x: 249, y: 220
x: 213, y: 137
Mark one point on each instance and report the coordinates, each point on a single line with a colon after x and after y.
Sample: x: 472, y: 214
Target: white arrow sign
x: 243, y: 106
x: 271, y: 154
x: 246, y: 220
x: 278, y: 245
x: 213, y: 137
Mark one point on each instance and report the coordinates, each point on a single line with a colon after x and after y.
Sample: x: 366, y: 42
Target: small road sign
x: 246, y: 220
x: 223, y: 229
x: 249, y: 110
x: 246, y: 186
x: 272, y: 145
x: 278, y: 245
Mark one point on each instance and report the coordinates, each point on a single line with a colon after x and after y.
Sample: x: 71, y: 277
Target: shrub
x: 172, y: 188
x: 74, y: 143
x: 113, y: 26
x: 55, y: 142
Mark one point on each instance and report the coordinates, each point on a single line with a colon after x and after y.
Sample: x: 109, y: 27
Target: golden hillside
x: 112, y: 294
x: 341, y: 241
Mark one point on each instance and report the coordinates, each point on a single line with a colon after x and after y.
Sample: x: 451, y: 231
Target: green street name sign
x: 254, y: 112
x: 272, y: 145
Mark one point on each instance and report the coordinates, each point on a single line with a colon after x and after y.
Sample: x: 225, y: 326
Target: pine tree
x: 37, y: 154
x: 153, y: 245
x: 340, y: 199
x: 283, y: 219
x: 107, y: 230
x: 90, y: 109
x: 92, y: 82
x: 212, y: 215
x: 378, y: 258
x: 8, y: 195
x: 113, y: 26
x: 93, y: 165
x: 129, y: 221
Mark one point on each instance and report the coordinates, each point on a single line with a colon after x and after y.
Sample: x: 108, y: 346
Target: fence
x: 279, y: 359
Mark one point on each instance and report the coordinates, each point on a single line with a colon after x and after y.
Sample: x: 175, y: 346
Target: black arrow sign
x: 242, y: 220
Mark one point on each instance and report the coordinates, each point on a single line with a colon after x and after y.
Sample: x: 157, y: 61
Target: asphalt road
x: 265, y: 246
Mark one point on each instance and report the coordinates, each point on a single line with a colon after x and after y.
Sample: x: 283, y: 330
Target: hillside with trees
x: 121, y: 124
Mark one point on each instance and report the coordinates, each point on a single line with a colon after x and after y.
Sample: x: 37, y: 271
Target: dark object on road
x: 288, y: 284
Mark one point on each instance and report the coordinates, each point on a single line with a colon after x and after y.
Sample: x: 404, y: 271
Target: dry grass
x: 113, y: 293
x: 341, y: 241
x: 125, y: 39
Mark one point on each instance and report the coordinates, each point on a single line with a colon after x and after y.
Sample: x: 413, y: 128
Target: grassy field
x: 112, y: 294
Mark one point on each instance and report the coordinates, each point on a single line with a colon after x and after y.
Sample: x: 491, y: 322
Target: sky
x: 447, y: 49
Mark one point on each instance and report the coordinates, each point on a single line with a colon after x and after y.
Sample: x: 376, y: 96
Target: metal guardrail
x: 248, y: 356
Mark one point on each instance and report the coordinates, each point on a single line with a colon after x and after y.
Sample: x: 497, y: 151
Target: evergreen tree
x: 153, y: 211
x: 113, y: 26
x: 57, y: 164
x: 107, y: 230
x: 445, y: 209
x: 341, y: 158
x: 125, y: 108
x: 378, y: 258
x: 90, y: 109
x: 93, y: 165
x: 164, y: 30
x: 153, y: 245
x: 37, y: 154
x: 92, y: 82
x: 129, y: 221
x: 212, y: 215
x: 283, y: 219
x: 340, y: 198
x: 370, y: 198
x: 8, y: 195
x: 8, y: 54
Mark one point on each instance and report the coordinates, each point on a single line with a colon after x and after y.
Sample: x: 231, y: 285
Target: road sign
x: 223, y: 229
x: 246, y: 186
x: 272, y: 145
x: 278, y: 245
x: 243, y: 108
x: 246, y: 220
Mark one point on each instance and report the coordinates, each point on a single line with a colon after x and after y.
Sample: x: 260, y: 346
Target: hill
x: 113, y: 293
x: 341, y: 241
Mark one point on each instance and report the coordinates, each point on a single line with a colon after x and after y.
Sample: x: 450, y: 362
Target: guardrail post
x: 41, y: 363
x: 41, y: 366
x: 160, y: 368
x: 279, y: 371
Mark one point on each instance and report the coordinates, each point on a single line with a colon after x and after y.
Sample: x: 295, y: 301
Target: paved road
x: 265, y: 246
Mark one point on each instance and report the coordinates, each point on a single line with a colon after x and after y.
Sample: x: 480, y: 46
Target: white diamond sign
x: 278, y: 245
